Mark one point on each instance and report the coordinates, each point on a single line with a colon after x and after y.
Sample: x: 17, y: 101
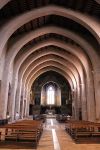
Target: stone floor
x: 55, y: 138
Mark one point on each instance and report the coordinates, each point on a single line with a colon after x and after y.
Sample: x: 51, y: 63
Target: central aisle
x: 55, y: 138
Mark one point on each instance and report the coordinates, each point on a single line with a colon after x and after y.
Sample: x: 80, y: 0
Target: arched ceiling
x: 76, y: 17
x: 17, y: 6
x: 50, y: 68
x: 48, y: 78
x: 3, y: 3
x: 71, y: 26
x: 97, y: 1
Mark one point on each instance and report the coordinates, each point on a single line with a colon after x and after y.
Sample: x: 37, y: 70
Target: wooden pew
x: 79, y: 129
x: 24, y: 131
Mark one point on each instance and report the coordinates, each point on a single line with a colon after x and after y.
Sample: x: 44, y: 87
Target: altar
x: 50, y: 113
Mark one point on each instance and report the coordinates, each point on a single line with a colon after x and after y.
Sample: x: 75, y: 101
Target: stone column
x: 25, y: 106
x: 4, y: 97
x: 27, y: 103
x: 90, y: 99
x: 22, y: 100
x: 76, y: 104
x: 97, y: 93
x: 78, y: 101
x: 12, y: 100
x: 18, y: 97
x: 83, y: 102
x: 21, y: 107
x: 43, y: 96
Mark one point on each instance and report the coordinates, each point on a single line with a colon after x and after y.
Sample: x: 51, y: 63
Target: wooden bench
x: 80, y: 129
x: 23, y: 131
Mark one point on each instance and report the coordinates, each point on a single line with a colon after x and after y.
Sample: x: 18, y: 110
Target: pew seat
x: 23, y: 131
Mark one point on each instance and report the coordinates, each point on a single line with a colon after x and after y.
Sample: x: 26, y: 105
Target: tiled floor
x: 55, y: 138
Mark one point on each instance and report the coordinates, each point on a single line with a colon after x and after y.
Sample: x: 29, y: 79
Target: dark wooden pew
x: 23, y: 131
x: 82, y: 129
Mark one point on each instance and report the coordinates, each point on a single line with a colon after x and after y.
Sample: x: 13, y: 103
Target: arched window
x: 50, y: 96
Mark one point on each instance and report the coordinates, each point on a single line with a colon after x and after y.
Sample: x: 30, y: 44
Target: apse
x: 47, y: 83
x: 51, y: 94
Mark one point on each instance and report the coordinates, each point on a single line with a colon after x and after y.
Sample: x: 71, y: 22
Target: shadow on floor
x: 17, y: 145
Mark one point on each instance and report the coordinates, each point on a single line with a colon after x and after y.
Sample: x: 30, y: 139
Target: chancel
x: 50, y: 74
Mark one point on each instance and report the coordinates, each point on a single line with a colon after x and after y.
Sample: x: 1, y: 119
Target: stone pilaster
x: 91, y: 100
x: 97, y: 93
x: 83, y: 102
